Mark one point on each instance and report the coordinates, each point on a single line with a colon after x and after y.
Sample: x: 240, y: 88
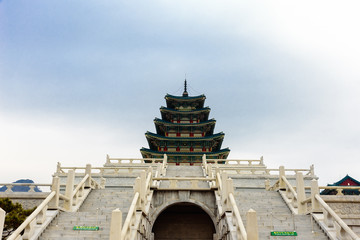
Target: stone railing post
x: 137, y: 188
x: 69, y: 190
x: 58, y: 167
x: 224, y: 193
x: 165, y: 159
x: 229, y: 188
x: 32, y: 188
x: 261, y: 160
x: 29, y: 230
x: 340, y: 232
x: 328, y: 219
x: 267, y: 184
x: 107, y: 158
x: 252, y: 229
x: 204, y: 164
x: 142, y: 186
x: 55, y: 186
x: 102, y: 183
x: 88, y: 171
x: 116, y: 224
x: 9, y: 188
x: 2, y: 220
x: 282, y: 184
x: 300, y: 190
x: 211, y: 175
x: 312, y: 170
x: 315, y: 205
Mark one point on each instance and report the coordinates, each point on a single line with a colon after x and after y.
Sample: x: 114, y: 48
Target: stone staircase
x: 184, y: 171
x: 95, y: 211
x: 274, y: 215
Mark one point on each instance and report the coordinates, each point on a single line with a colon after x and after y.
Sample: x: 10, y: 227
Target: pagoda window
x: 178, y: 149
x: 191, y: 149
x: 191, y: 134
x: 165, y: 149
x: 178, y: 134
x: 204, y: 149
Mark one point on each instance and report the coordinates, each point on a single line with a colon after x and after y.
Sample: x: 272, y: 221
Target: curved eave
x: 166, y: 123
x: 195, y: 111
x: 217, y: 136
x: 175, y: 101
x: 181, y: 98
x: 225, y: 150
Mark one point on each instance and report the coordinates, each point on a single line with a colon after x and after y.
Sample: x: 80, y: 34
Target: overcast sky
x: 82, y: 79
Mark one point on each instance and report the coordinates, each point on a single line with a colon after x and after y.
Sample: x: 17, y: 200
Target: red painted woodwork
x: 348, y: 182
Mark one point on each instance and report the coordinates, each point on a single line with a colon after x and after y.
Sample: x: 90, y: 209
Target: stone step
x: 184, y: 171
x: 274, y: 215
x: 95, y: 211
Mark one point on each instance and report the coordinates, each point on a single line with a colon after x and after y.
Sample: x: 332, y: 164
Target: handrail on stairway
x: 331, y: 221
x: 30, y: 221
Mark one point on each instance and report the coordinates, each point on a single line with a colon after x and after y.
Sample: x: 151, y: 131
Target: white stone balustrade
x: 307, y: 172
x: 139, y: 208
x: 174, y: 182
x: 110, y: 160
x: 128, y: 231
x: 340, y: 189
x: 228, y: 205
x: 235, y: 162
x: 298, y: 202
x: 72, y: 197
x: 332, y: 220
x: 37, y: 217
x: 31, y: 186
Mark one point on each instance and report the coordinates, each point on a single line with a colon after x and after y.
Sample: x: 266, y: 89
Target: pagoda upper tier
x: 182, y: 103
x: 185, y: 133
x: 197, y: 115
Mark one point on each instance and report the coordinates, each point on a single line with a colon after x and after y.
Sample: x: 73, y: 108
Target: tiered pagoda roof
x: 185, y: 133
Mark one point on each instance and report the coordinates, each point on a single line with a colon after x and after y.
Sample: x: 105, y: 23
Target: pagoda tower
x: 185, y: 133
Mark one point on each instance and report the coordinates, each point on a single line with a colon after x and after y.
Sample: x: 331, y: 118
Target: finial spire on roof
x: 185, y: 94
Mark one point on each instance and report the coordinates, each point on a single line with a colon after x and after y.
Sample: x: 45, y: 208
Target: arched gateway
x: 183, y: 221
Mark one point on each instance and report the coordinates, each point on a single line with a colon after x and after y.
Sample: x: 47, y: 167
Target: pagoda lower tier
x: 191, y: 144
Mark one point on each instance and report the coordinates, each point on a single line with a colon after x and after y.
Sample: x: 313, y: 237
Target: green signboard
x: 283, y: 233
x: 86, y: 228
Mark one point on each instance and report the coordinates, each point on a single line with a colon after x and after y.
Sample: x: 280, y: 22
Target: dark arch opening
x: 183, y: 221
